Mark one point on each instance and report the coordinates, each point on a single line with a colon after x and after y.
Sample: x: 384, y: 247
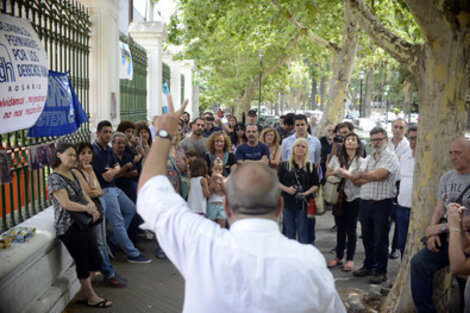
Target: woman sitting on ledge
x: 67, y: 196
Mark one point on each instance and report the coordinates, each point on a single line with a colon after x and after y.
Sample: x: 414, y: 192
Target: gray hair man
x: 252, y: 262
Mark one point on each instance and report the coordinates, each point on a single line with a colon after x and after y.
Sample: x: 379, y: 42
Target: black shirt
x: 103, y: 158
x: 306, y: 178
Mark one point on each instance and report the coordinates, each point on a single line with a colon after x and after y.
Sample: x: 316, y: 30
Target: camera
x: 298, y: 194
x: 338, y: 139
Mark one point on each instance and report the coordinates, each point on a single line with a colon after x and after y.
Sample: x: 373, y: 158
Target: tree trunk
x: 407, y: 101
x: 339, y: 82
x: 244, y: 103
x: 314, y: 91
x: 322, y: 92
x: 367, y: 92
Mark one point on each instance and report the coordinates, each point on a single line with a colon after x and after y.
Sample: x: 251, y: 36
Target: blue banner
x: 62, y: 113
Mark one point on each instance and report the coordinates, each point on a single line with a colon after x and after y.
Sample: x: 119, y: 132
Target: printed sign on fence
x: 23, y: 74
x: 63, y: 113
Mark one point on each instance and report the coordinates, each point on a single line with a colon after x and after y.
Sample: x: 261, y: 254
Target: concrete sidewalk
x: 158, y: 287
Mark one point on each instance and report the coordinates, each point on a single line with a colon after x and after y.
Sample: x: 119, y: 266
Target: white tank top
x: 196, y: 200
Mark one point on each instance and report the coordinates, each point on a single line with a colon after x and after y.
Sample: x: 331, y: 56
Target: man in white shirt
x: 250, y: 268
x: 405, y: 195
x: 400, y: 145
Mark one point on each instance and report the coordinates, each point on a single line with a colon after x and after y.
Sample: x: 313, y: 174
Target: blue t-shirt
x: 103, y: 158
x: 245, y: 152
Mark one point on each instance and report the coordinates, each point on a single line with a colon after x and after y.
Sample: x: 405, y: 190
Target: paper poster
x: 125, y: 66
x: 23, y: 74
x: 5, y: 172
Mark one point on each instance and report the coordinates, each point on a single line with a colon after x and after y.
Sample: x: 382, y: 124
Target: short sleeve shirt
x: 246, y: 152
x: 56, y: 182
x: 451, y: 186
x: 383, y: 189
x: 197, y: 145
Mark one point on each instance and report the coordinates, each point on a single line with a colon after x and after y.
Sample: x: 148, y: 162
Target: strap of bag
x: 460, y: 198
x: 304, y: 202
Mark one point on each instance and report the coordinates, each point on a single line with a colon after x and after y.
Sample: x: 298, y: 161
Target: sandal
x: 348, y: 266
x: 102, y: 304
x: 334, y: 263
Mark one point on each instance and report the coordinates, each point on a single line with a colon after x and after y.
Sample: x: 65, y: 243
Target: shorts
x: 215, y: 211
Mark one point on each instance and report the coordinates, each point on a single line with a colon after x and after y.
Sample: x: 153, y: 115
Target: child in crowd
x: 215, y: 205
x: 199, y: 186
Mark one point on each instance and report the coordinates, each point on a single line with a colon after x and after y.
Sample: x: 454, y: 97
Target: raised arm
x: 156, y: 163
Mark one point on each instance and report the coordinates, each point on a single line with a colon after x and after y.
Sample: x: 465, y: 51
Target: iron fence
x: 64, y: 29
x: 133, y: 92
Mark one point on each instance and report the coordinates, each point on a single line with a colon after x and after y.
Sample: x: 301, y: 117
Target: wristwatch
x: 163, y: 134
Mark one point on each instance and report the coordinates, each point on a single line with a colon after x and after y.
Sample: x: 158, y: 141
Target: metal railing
x: 64, y: 29
x: 133, y: 92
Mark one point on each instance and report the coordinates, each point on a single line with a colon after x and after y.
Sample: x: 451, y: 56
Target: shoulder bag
x: 83, y: 219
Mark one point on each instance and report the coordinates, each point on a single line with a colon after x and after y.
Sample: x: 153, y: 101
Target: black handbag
x: 83, y: 219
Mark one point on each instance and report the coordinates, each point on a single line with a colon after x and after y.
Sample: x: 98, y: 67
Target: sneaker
x: 120, y: 279
x: 138, y: 259
x: 362, y: 272
x: 378, y: 278
x: 113, y: 282
x: 159, y: 254
x: 394, y: 254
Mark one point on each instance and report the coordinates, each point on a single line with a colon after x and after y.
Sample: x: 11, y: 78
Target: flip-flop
x: 348, y: 266
x: 101, y: 304
x: 334, y: 263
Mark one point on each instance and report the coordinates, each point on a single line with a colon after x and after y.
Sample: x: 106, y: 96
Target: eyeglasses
x: 239, y: 129
x: 412, y: 138
x: 377, y: 139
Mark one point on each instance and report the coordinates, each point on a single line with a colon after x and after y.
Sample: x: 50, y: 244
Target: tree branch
x: 434, y: 17
x: 304, y: 30
x: 397, y: 47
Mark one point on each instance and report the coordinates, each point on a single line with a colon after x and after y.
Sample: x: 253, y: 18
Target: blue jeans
x: 402, y: 222
x: 296, y: 222
x: 375, y: 222
x: 120, y: 211
x: 99, y: 233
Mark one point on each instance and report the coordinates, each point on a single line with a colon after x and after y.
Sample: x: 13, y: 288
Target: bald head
x: 253, y: 189
x: 460, y: 154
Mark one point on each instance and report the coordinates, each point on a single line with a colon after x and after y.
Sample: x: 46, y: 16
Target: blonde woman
x: 298, y: 181
x: 270, y: 137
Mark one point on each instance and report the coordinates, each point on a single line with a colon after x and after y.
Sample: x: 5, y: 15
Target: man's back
x: 251, y: 268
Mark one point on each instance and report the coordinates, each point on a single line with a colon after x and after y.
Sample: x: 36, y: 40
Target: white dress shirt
x: 402, y: 148
x: 250, y: 268
x: 406, y: 169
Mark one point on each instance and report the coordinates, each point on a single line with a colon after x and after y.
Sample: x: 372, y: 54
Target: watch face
x: 163, y: 133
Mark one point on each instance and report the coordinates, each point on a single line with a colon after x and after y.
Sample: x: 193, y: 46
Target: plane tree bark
x: 441, y: 67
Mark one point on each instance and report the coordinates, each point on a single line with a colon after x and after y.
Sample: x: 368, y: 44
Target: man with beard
x: 196, y: 141
x: 377, y: 180
x: 252, y: 150
x: 186, y: 125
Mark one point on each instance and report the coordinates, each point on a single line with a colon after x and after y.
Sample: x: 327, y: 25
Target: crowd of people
x: 210, y: 166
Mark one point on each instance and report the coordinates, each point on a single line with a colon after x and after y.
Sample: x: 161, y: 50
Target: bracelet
x: 457, y: 230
